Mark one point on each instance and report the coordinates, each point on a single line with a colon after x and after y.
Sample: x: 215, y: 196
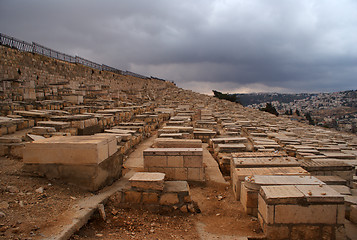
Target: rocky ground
x: 221, y: 217
x: 29, y: 202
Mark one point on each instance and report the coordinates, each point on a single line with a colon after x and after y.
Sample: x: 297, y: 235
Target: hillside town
x: 336, y: 110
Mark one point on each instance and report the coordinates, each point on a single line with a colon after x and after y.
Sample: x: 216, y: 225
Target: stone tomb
x: 252, y: 184
x: 90, y: 162
x: 301, y: 212
x: 204, y: 134
x: 231, y: 147
x: 263, y: 162
x: 149, y: 188
x: 176, y: 163
x: 148, y: 180
x: 239, y: 175
x: 329, y: 168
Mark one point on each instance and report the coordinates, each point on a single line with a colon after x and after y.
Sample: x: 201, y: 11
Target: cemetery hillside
x: 89, y: 151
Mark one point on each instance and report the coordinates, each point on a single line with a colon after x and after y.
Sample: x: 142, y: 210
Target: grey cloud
x: 294, y: 45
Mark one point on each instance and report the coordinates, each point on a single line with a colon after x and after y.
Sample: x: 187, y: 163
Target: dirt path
x: 221, y: 217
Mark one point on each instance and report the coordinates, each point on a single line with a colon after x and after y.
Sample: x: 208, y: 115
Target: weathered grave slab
x: 178, y: 143
x: 73, y: 150
x: 229, y: 148
x: 301, y: 211
x: 148, y: 180
x: 332, y: 180
x: 252, y: 184
x: 239, y: 175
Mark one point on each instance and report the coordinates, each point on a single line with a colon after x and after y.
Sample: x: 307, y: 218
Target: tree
x: 309, y: 118
x: 270, y: 109
x: 353, y: 128
x: 289, y: 112
x: 226, y: 96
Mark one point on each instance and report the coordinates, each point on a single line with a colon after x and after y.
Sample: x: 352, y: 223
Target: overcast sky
x: 226, y: 45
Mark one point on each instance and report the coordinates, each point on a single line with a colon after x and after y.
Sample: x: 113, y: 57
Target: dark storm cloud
x: 232, y: 45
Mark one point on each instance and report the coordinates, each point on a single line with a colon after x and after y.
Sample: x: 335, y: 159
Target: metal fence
x: 39, y: 49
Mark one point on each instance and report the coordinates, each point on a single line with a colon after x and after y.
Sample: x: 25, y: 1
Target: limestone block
x: 195, y: 174
x: 238, y: 147
x: 341, y: 213
x: 173, y: 151
x: 132, y: 196
x: 70, y: 150
x: 239, y: 175
x: 181, y: 173
x: 178, y: 143
x: 265, y: 211
x: 248, y: 198
x: 3, y: 130
x: 148, y: 180
x: 169, y: 199
x: 43, y: 130
x: 169, y: 172
x: 17, y: 150
x: 193, y: 161
x: 87, y: 176
x: 11, y: 129
x: 90, y: 122
x: 320, y: 194
x: 353, y: 214
x: 155, y: 161
x: 316, y: 214
x: 77, y: 124
x: 31, y: 122
x: 150, y: 198
x: 175, y: 161
x: 55, y: 124
x: 4, y: 150
x: 180, y: 187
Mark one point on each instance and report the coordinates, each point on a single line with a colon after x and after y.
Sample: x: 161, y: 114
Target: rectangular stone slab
x: 239, y: 147
x: 74, y: 150
x: 339, y: 155
x: 325, y: 166
x: 281, y: 194
x: 265, y: 162
x: 332, y: 180
x: 179, y: 129
x: 173, y: 151
x: 239, y: 175
x: 320, y: 194
x: 178, y: 143
x: 257, y: 181
x: 251, y: 186
x: 258, y: 154
x: 56, y: 124
x: 148, y: 181
x: 292, y: 194
x: 229, y: 140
